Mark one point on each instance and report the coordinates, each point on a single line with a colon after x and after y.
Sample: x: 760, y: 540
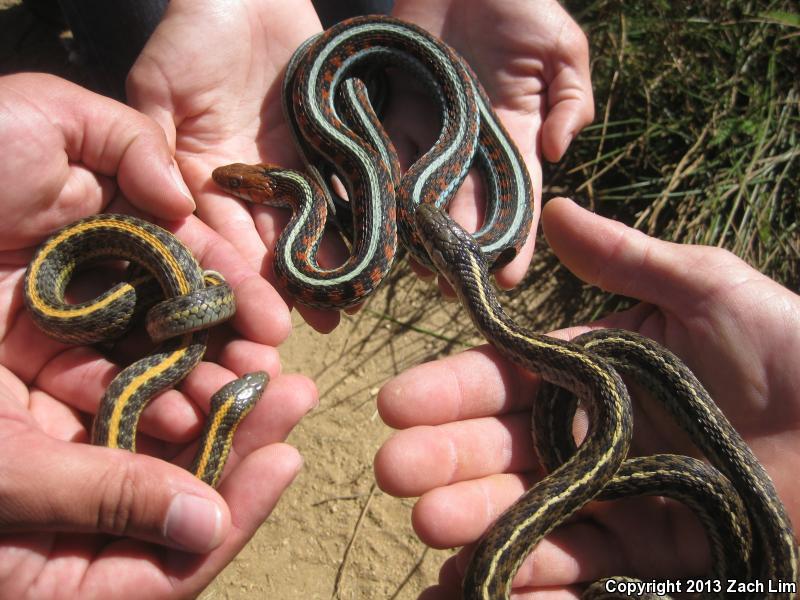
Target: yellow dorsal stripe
x: 163, y: 251
x: 213, y: 429
x: 476, y: 273
x: 133, y: 385
x: 522, y: 526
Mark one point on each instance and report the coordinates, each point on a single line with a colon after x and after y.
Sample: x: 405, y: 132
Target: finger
x: 511, y: 274
x: 77, y: 374
x: 569, y: 91
x: 639, y: 537
x: 236, y: 223
x: 450, y: 578
x: 152, y: 98
x: 440, y: 592
x: 84, y: 193
x: 595, y: 545
x: 423, y: 273
x: 472, y: 384
x: 446, y: 290
x: 119, y: 493
x: 243, y: 356
x: 449, y: 584
x: 469, y: 205
x: 264, y: 475
x: 55, y: 419
x: 411, y: 124
x: 468, y: 209
x: 25, y: 349
x: 622, y: 260
x: 286, y: 399
x: 419, y: 459
x: 458, y: 514
x: 557, y: 561
x: 452, y: 573
x: 113, y: 139
x: 78, y: 377
x: 412, y: 120
x: 251, y: 229
x: 322, y: 321
x: 251, y: 490
x: 332, y: 254
x: 178, y: 416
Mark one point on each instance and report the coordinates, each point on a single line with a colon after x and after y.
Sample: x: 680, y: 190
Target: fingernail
x: 178, y: 179
x: 193, y: 523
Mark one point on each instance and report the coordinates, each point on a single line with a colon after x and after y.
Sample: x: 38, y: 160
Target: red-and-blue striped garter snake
x: 336, y: 130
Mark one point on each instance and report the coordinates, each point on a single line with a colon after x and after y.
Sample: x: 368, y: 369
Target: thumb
x: 61, y: 486
x: 148, y: 92
x: 625, y: 261
x: 569, y: 90
x: 564, y: 120
x: 116, y: 140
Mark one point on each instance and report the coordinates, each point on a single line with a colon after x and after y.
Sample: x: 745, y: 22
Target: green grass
x: 696, y: 134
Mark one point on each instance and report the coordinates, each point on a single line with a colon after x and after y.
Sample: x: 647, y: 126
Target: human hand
x: 82, y: 521
x: 469, y: 454
x: 60, y: 166
x: 533, y: 63
x: 227, y: 108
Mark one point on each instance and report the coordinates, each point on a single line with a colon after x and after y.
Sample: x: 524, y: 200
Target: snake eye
x: 234, y: 183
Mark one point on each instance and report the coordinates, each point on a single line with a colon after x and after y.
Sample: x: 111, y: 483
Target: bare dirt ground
x: 334, y: 534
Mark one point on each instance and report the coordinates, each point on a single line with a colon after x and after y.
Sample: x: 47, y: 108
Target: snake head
x: 252, y: 183
x: 446, y: 241
x: 256, y: 381
x: 243, y: 392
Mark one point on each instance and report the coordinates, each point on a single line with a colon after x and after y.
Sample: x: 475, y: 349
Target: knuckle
x: 117, y: 502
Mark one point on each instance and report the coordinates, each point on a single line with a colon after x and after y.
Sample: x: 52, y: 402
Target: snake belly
x: 192, y: 302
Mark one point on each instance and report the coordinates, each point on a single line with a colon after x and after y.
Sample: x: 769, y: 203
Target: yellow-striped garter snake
x: 586, y: 369
x: 193, y: 301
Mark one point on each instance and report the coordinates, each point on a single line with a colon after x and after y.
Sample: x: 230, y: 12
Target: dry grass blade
x: 699, y: 138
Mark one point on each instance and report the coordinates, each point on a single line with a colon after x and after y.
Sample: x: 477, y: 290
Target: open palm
x: 533, y: 61
x: 82, y: 521
x: 226, y: 108
x: 211, y: 76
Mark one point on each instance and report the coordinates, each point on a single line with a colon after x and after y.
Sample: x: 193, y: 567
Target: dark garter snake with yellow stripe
x: 747, y: 525
x: 337, y: 132
x: 192, y: 302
